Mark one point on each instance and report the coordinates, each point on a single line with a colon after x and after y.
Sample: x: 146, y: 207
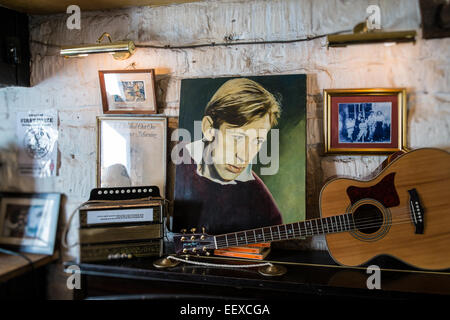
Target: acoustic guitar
x: 403, y: 212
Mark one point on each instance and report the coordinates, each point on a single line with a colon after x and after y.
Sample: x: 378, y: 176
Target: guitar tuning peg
x: 193, y: 230
x: 183, y: 230
x: 203, y: 230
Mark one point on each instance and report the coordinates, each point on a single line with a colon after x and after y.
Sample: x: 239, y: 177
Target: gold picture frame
x: 364, y: 121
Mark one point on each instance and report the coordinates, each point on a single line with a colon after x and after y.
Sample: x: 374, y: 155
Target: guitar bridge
x: 417, y: 211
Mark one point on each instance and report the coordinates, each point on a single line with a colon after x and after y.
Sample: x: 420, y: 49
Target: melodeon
x: 113, y: 227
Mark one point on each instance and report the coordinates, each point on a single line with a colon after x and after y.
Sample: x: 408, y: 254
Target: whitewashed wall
x: 72, y: 87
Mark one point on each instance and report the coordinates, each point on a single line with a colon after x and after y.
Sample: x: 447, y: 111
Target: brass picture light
x: 120, y: 50
x: 362, y: 35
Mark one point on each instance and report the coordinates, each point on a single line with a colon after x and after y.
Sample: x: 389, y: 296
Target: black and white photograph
x: 23, y: 221
x: 29, y: 221
x: 365, y: 122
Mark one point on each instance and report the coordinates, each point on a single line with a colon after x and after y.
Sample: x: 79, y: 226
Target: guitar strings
x: 369, y: 222
x: 336, y: 228
x: 398, y: 210
x: 295, y: 234
x: 337, y: 223
x: 400, y: 214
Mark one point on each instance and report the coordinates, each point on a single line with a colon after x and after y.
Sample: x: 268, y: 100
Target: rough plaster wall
x: 71, y: 86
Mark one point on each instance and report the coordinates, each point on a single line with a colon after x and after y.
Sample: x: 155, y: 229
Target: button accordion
x: 122, y: 223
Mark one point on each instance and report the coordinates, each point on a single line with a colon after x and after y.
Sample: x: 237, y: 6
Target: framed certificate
x: 131, y: 151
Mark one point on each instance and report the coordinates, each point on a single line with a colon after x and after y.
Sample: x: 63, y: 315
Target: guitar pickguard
x: 384, y: 192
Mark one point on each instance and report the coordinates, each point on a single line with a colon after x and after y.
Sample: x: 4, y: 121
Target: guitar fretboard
x: 334, y: 224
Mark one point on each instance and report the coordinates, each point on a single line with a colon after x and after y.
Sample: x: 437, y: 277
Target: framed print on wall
x: 28, y: 221
x: 365, y: 120
x: 128, y: 91
x: 131, y: 151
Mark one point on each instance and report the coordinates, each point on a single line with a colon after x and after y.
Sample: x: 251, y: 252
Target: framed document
x: 37, y: 138
x: 128, y: 91
x: 364, y: 121
x: 28, y: 221
x: 131, y: 151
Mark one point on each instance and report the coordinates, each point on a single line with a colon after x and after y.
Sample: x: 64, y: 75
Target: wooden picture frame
x: 128, y: 91
x: 132, y: 151
x: 364, y: 121
x: 28, y: 221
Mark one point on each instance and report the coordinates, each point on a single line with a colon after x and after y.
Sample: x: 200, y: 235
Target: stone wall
x: 71, y: 85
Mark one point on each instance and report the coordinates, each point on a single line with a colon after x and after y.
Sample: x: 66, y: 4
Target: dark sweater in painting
x: 200, y: 202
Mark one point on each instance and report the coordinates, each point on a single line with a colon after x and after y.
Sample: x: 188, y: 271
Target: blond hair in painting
x: 240, y: 101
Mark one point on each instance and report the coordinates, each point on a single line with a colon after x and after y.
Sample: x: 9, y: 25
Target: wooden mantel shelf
x: 12, y: 266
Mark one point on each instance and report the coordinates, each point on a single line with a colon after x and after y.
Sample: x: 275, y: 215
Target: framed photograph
x: 131, y: 151
x: 128, y: 91
x: 365, y: 120
x: 29, y: 221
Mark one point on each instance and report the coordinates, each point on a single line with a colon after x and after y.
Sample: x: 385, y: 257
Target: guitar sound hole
x: 368, y: 218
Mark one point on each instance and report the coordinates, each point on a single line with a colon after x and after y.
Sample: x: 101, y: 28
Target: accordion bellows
x: 121, y: 229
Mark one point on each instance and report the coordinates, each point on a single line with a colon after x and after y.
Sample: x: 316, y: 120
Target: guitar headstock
x: 193, y: 243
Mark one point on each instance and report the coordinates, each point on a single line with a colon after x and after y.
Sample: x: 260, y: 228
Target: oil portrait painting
x: 240, y: 162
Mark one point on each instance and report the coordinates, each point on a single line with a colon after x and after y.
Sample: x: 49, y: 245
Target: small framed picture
x: 29, y: 221
x: 131, y: 151
x: 365, y: 120
x: 128, y: 91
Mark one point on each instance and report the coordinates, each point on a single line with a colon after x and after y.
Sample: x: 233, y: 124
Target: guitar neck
x: 334, y: 224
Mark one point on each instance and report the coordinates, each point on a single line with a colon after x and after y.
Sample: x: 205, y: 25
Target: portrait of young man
x: 229, y: 170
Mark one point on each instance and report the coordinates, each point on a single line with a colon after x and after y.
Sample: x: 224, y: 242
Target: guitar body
x: 382, y: 209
